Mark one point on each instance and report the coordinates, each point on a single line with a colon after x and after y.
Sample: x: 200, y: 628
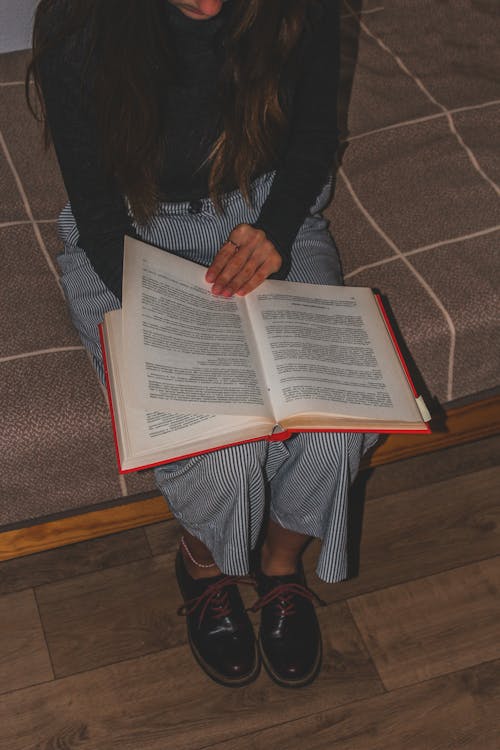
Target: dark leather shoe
x: 219, y: 630
x: 290, y: 637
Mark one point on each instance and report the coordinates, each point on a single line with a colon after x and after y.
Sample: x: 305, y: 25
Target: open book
x: 188, y: 372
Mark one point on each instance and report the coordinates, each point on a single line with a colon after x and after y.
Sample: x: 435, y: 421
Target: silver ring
x: 236, y: 247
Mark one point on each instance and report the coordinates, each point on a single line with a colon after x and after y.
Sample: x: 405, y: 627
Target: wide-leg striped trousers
x: 222, y: 497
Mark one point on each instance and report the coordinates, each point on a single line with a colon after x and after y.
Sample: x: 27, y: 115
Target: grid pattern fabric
x: 416, y: 211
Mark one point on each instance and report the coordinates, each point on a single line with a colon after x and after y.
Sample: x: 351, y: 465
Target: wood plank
x: 434, y: 625
x: 163, y: 536
x: 418, y: 533
x: 163, y: 700
x: 24, y: 658
x: 459, y: 710
x: 73, y: 560
x: 463, y: 424
x: 111, y: 615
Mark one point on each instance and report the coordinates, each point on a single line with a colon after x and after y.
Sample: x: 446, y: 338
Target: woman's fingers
x: 257, y: 278
x: 244, y: 262
x: 225, y: 263
x: 261, y: 264
x: 246, y: 267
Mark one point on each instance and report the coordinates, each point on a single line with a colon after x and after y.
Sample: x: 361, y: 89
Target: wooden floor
x: 94, y: 657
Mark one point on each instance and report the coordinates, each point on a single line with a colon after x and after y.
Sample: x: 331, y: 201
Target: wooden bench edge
x: 463, y: 424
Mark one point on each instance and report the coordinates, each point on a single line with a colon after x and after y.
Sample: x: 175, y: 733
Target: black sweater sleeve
x: 98, y: 207
x: 309, y: 157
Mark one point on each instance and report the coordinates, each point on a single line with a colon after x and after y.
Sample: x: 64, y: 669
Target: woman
x: 209, y: 129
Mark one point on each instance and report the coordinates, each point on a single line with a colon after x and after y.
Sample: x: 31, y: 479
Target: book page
x: 158, y: 436
x: 326, y: 350
x: 186, y: 349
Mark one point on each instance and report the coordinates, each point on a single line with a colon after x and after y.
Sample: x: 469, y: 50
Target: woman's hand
x: 243, y: 262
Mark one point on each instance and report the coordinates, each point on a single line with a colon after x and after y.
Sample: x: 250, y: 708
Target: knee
x: 330, y: 451
x: 208, y: 487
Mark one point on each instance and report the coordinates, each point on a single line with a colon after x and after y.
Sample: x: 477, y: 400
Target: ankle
x: 203, y: 568
x: 272, y: 564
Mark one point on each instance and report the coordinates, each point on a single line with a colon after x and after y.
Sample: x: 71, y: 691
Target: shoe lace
x: 284, y: 594
x: 215, y: 597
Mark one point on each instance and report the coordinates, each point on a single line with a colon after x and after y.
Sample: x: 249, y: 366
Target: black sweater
x: 303, y: 166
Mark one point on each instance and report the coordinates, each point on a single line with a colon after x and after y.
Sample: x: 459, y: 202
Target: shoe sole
x: 220, y: 678
x: 282, y: 682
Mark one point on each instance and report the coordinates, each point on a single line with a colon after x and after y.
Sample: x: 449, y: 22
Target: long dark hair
x: 260, y: 38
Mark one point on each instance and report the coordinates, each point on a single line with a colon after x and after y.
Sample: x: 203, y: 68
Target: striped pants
x: 222, y: 497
